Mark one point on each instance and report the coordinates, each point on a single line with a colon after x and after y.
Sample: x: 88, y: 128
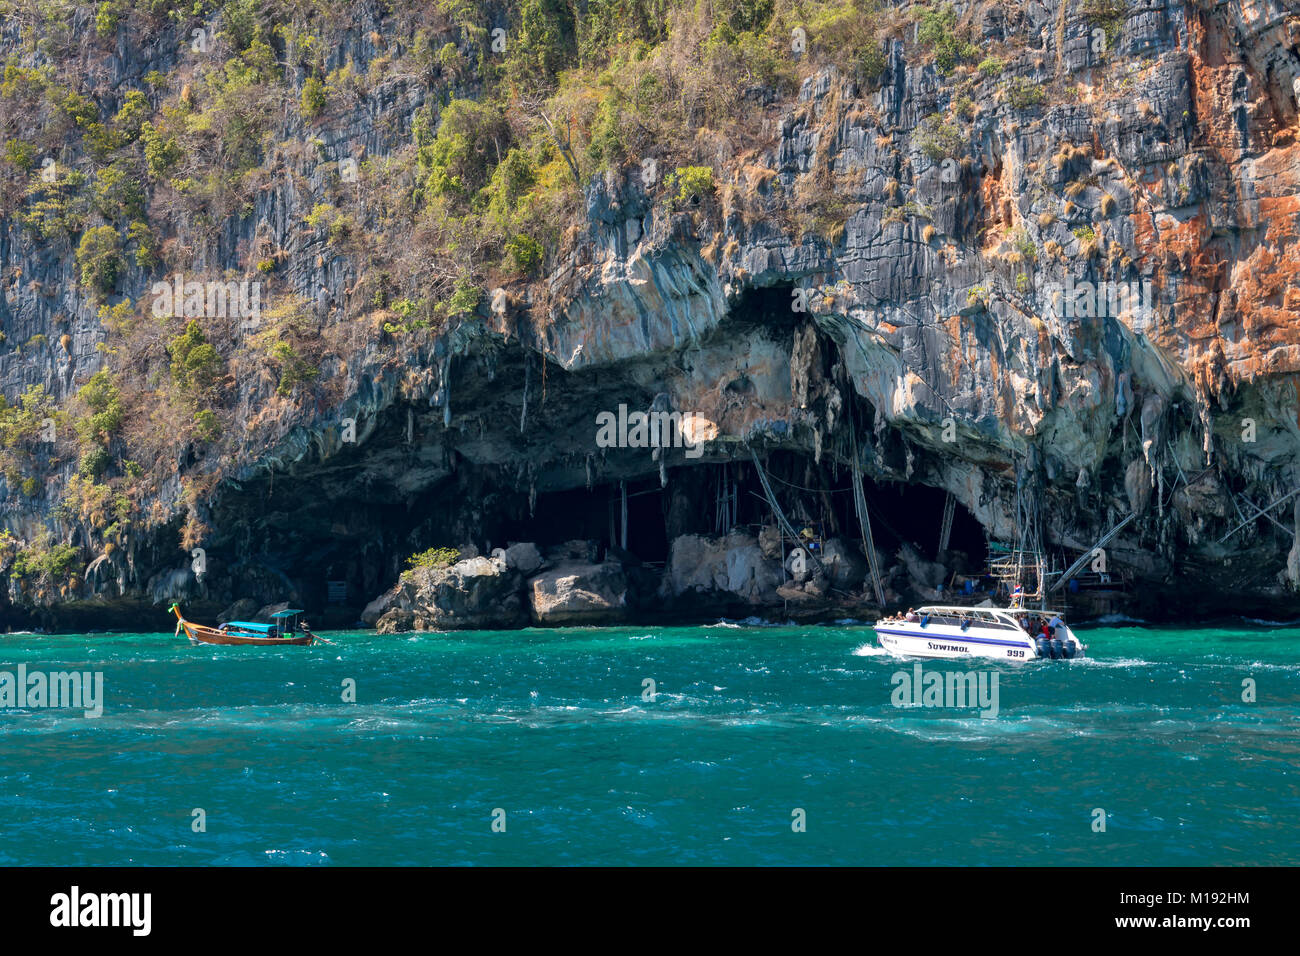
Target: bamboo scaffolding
x: 780, y: 515
x: 945, y: 530
x: 1073, y: 569
x: 1261, y: 513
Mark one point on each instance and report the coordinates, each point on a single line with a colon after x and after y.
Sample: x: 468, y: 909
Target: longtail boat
x: 281, y: 630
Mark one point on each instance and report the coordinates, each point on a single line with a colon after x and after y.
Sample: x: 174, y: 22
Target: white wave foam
x: 1113, y: 662
x: 869, y: 650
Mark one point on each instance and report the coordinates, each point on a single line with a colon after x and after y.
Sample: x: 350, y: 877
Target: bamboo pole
x: 1073, y: 569
x: 945, y: 530
x: 1258, y: 512
x: 780, y: 515
x: 1263, y: 514
x: 864, y: 516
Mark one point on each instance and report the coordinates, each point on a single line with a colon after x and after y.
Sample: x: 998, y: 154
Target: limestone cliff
x: 1039, y: 256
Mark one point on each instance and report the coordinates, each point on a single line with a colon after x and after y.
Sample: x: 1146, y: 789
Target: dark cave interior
x: 361, y: 545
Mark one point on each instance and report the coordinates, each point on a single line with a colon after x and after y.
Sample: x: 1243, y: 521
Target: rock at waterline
x: 579, y: 593
x: 475, y: 594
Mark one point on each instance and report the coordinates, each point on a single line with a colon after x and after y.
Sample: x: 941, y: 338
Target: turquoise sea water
x: 748, y: 725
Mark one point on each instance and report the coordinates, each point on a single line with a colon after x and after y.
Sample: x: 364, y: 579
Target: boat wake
x: 1114, y: 662
x: 870, y: 650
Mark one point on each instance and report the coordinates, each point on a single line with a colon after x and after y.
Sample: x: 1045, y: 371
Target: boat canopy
x: 287, y: 613
x: 984, y: 612
x: 989, y: 617
x: 250, y: 626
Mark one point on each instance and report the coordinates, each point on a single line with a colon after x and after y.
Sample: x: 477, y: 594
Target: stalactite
x: 446, y: 393
x: 1207, y: 434
x: 528, y: 374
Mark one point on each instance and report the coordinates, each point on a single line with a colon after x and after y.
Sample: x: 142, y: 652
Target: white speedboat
x: 994, y: 633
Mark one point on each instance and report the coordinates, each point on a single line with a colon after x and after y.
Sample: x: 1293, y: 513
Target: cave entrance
x: 820, y: 498
x: 913, y: 514
x: 714, y: 498
x: 595, y: 515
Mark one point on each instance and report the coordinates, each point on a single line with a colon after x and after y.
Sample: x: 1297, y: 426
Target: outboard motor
x: 1058, y: 651
x: 1068, y: 650
x: 1043, y: 649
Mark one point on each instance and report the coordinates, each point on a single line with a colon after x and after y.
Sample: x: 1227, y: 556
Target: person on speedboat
x: 1054, y: 625
x: 911, y: 617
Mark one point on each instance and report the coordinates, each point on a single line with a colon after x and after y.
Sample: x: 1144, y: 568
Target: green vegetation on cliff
x: 374, y: 174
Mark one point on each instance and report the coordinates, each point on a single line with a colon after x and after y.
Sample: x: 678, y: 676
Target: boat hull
x: 947, y: 641
x: 210, y: 635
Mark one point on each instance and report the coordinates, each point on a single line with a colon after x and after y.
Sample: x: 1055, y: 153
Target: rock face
x: 707, y: 575
x: 915, y: 275
x: 732, y: 568
x: 381, y: 605
x: 844, y: 563
x: 573, y: 594
x: 491, y: 593
x: 241, y: 610
x: 479, y: 593
x: 926, y: 574
x: 524, y: 558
